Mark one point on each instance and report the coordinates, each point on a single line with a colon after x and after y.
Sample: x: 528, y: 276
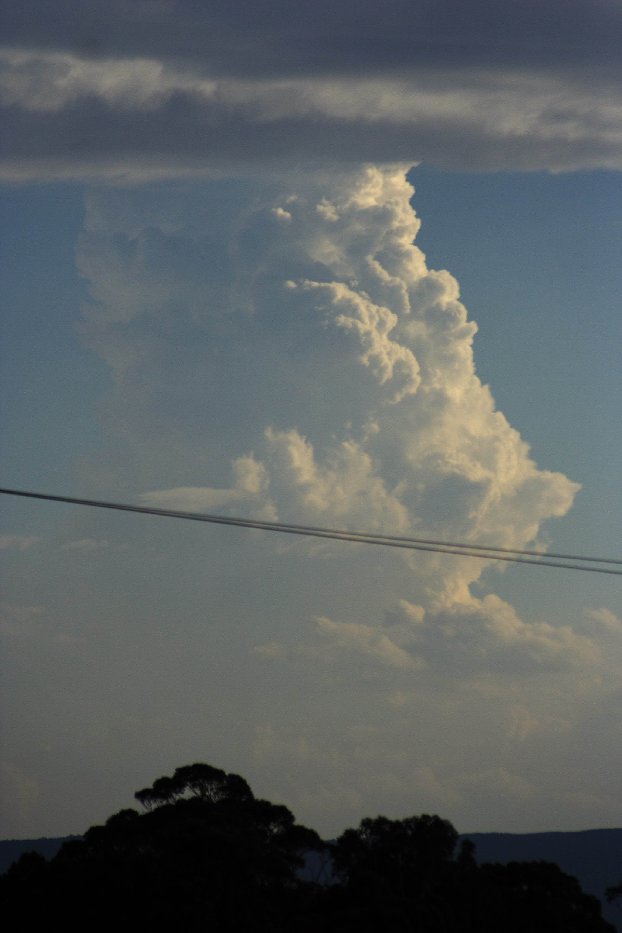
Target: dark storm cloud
x: 158, y: 88
x: 183, y: 137
x: 293, y: 38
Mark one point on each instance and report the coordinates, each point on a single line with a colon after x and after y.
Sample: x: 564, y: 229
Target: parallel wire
x: 483, y: 552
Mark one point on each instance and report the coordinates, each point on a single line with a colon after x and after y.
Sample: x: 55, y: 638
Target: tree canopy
x: 206, y: 854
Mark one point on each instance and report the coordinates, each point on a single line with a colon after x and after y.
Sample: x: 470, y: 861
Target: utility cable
x: 483, y: 552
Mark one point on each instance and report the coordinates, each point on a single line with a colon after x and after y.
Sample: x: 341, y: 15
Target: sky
x: 353, y: 265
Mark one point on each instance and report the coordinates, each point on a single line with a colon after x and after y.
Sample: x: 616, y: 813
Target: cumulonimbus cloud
x: 326, y: 378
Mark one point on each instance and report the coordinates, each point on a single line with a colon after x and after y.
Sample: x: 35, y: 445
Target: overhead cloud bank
x: 304, y: 364
x: 141, y: 91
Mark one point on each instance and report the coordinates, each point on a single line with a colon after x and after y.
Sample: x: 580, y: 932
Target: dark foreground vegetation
x: 206, y: 855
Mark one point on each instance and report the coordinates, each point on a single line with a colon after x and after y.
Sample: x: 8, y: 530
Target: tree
x: 540, y: 897
x: 406, y: 875
x: 198, y: 780
x: 399, y: 852
x: 206, y: 854
x: 400, y: 874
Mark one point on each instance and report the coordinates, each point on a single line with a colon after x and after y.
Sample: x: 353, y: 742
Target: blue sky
x: 542, y: 279
x: 212, y: 301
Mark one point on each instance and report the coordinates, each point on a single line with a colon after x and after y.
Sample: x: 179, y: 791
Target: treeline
x: 206, y: 855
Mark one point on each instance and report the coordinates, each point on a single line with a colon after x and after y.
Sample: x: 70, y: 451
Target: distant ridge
x: 11, y: 849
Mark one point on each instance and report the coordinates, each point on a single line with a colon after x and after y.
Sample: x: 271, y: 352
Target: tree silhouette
x: 197, y: 780
x: 402, y: 875
x: 205, y: 851
x: 522, y: 891
x: 206, y: 854
x: 405, y: 875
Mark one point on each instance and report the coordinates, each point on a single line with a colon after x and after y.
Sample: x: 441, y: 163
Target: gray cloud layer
x: 290, y: 38
x: 182, y: 88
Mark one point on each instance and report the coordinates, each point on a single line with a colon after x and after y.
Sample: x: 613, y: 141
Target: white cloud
x: 372, y: 325
x: 356, y: 393
x: 272, y: 651
x: 281, y: 214
x: 49, y: 82
x: 523, y: 723
x: 86, y: 545
x: 604, y: 619
x: 345, y: 488
x: 368, y: 640
x: 250, y: 486
x: 467, y: 639
x: 488, y: 634
x: 17, y: 542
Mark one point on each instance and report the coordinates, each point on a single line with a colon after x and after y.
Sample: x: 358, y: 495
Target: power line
x: 483, y: 552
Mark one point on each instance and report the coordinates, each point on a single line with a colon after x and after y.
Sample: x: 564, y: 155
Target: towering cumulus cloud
x: 275, y: 346
x: 306, y: 365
